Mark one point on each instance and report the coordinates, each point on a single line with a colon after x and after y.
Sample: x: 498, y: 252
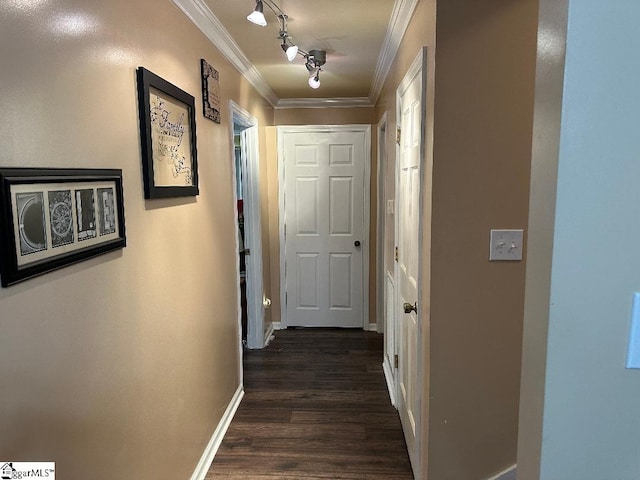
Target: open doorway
x: 237, y: 153
x: 246, y: 176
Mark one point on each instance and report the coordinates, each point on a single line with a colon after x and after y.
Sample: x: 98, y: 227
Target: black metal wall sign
x: 210, y: 91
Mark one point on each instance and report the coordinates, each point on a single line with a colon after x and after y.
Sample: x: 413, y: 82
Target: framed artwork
x: 51, y: 218
x: 210, y: 91
x: 168, y: 138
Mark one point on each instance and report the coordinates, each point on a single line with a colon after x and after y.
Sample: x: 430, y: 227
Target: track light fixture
x: 314, y: 59
x: 287, y: 45
x: 257, y: 16
x: 314, y: 80
x: 290, y: 50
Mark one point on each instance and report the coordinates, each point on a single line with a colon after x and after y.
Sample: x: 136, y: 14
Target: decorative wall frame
x: 210, y: 91
x: 51, y: 218
x: 168, y: 138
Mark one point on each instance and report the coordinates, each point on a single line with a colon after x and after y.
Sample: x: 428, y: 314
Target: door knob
x: 356, y: 243
x: 408, y: 308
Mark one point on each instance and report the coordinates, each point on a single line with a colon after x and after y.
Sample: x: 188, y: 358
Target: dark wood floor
x: 316, y: 406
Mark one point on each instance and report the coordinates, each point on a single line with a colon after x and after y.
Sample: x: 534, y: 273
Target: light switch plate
x: 506, y: 245
x: 390, y: 207
x: 633, y: 355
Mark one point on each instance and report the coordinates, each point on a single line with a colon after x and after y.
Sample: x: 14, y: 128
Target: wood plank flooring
x: 316, y: 406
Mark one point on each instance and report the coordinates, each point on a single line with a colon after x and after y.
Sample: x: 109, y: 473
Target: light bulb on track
x: 257, y: 16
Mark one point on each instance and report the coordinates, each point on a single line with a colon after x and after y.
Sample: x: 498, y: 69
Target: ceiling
x: 360, y: 37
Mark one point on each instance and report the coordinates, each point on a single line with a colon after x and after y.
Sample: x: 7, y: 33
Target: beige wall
x: 266, y: 149
x: 272, y: 227
x: 129, y: 359
x: 482, y: 153
x: 323, y: 116
x: 480, y: 121
x: 550, y: 64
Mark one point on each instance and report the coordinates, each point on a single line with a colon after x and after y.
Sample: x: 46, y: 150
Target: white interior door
x: 252, y: 239
x: 324, y: 231
x: 408, y: 214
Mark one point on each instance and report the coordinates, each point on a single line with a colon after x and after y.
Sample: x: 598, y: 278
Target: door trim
x: 366, y: 129
x: 387, y: 367
x: 418, y: 67
x: 383, y: 148
x: 252, y: 223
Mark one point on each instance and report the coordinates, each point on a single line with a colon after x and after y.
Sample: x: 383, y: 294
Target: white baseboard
x: 373, y: 327
x: 508, y: 474
x: 216, y: 440
x: 389, y: 378
x: 267, y: 336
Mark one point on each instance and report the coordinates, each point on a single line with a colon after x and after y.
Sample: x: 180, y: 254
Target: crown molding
x: 338, y: 102
x: 203, y: 18
x: 400, y: 17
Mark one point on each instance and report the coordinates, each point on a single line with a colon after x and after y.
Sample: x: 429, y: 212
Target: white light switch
x: 390, y: 207
x: 633, y: 355
x: 505, y: 245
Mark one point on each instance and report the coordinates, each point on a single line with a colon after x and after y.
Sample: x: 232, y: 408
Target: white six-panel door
x: 408, y: 213
x: 323, y: 176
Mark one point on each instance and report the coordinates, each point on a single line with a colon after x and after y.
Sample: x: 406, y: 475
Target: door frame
x: 252, y: 224
x: 380, y: 222
x: 366, y: 129
x: 385, y: 315
x: 418, y: 67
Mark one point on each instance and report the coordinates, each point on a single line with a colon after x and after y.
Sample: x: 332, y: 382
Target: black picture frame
x: 54, y: 217
x: 167, y: 136
x: 210, y: 91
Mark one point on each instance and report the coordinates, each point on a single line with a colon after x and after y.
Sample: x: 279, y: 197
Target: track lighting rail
x: 314, y: 59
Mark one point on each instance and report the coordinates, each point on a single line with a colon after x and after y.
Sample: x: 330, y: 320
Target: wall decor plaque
x: 210, y: 91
